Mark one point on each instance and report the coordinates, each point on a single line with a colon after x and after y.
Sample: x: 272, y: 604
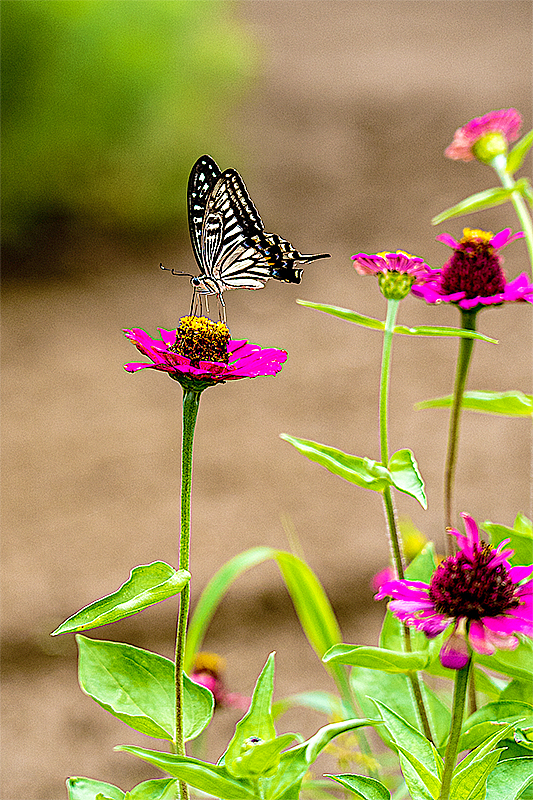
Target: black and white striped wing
x: 202, y: 179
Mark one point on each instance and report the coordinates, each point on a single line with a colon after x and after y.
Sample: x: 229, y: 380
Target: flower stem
x: 388, y: 503
x: 459, y: 696
x: 499, y: 164
x: 191, y: 401
x: 468, y: 322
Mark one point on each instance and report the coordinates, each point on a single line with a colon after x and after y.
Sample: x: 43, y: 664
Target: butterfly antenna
x: 173, y: 271
x: 308, y: 259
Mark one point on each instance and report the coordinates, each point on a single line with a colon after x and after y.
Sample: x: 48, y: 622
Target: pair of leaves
x: 249, y: 766
x: 377, y: 324
x: 137, y: 686
x: 88, y: 789
x: 147, y: 584
x: 489, y: 198
x: 510, y: 404
x: 401, y: 472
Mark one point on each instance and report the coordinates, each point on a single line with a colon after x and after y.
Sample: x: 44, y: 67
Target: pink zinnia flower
x: 200, y: 354
x: 484, y: 137
x: 207, y: 671
x: 397, y: 272
x: 473, y: 277
x: 477, y: 591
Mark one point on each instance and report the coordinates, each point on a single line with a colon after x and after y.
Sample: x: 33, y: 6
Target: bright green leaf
x: 481, y: 750
x: 345, y: 313
x: 470, y: 783
x: 137, y: 686
x: 360, y: 785
x: 517, y: 689
x: 430, y: 330
x: 210, y: 778
x: 261, y: 759
x: 430, y: 781
x: 147, y: 584
x: 486, y: 199
x: 406, y: 476
x: 510, y: 778
x: 157, y: 789
x: 523, y: 525
x: 376, y: 658
x: 515, y: 159
x: 521, y: 542
x: 509, y: 404
x: 362, y: 471
x: 506, y: 711
x: 524, y: 737
x: 515, y: 663
x: 88, y: 789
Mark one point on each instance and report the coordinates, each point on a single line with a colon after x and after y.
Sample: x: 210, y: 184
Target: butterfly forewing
x: 202, y: 179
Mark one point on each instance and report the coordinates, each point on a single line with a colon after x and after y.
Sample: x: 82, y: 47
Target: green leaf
x: 362, y: 471
x: 524, y: 737
x: 157, y: 789
x: 492, y: 717
x: 470, y: 783
x: 408, y: 738
x: 485, y: 747
x: 147, y: 584
x: 521, y: 542
x: 345, y: 313
x: 486, y: 199
x: 510, y: 778
x: 510, y: 404
x: 262, y: 759
x: 210, y: 778
x: 430, y: 781
x: 430, y: 330
x: 137, y: 686
x: 360, y: 785
x: 377, y: 658
x: 515, y: 159
x: 523, y: 525
x: 323, y: 702
x: 517, y: 689
x: 406, y: 476
x: 88, y: 789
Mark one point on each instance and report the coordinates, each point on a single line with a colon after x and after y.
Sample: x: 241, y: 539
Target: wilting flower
x: 207, y: 671
x: 397, y: 272
x: 473, y: 277
x: 200, y: 354
x: 477, y: 591
x: 485, y: 137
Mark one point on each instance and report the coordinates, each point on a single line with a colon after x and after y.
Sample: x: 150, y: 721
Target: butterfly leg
x: 221, y: 308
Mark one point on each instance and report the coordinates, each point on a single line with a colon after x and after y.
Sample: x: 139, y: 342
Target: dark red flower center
x: 470, y: 587
x: 201, y: 339
x: 475, y: 269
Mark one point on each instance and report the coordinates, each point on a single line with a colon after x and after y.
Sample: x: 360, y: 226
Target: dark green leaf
x: 345, y: 313
x: 486, y: 199
x: 509, y: 778
x: 509, y: 404
x: 88, y: 789
x: 515, y: 158
x: 362, y: 471
x: 376, y: 658
x: 147, y: 584
x: 360, y: 785
x: 406, y: 476
x: 521, y: 542
x: 137, y: 686
x: 430, y: 330
x: 517, y: 689
x: 209, y: 778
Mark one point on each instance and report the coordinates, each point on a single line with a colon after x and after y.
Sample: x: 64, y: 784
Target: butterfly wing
x: 202, y: 179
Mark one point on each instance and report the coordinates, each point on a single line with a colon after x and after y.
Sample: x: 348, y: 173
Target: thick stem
x: 191, y: 401
x: 499, y: 165
x: 459, y: 696
x: 468, y: 322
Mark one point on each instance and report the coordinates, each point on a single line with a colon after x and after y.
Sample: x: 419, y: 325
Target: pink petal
x: 454, y: 652
x: 445, y: 238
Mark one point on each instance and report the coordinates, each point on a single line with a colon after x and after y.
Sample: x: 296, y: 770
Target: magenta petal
x: 445, y: 238
x: 454, y: 652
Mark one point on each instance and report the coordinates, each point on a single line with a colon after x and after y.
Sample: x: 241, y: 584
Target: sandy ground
x: 342, y: 142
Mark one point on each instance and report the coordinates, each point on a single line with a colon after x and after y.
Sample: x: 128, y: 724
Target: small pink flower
x: 474, y: 277
x: 396, y: 272
x: 207, y: 671
x: 499, y: 126
x: 487, y: 600
x: 236, y: 359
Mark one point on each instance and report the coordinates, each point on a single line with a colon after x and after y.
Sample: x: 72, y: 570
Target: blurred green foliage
x: 106, y: 104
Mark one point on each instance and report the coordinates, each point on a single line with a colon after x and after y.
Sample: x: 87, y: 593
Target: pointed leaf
x: 515, y: 159
x: 486, y: 199
x: 509, y: 778
x: 88, y: 789
x: 345, y: 313
x: 147, y: 584
x: 509, y: 404
x: 430, y: 781
x: 515, y: 663
x: 431, y: 330
x: 377, y: 658
x: 156, y: 789
x: 261, y: 759
x: 406, y: 476
x: 470, y: 783
x: 521, y: 542
x: 137, y: 686
x: 362, y: 471
x: 210, y: 778
x: 361, y: 786
x: 488, y: 746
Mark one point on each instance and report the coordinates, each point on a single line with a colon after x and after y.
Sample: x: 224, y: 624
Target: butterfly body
x: 229, y: 241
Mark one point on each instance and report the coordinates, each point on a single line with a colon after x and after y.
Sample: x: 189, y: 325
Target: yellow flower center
x: 476, y: 235
x: 201, y: 339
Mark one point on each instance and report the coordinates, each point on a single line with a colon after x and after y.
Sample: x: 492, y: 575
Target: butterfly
x: 228, y: 237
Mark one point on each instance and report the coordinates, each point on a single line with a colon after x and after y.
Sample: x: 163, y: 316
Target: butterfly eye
x: 195, y: 281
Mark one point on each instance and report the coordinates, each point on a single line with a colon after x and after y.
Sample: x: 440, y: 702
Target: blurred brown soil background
x: 342, y: 138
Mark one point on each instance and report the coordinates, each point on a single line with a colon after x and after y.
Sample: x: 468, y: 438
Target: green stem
x: 499, y: 164
x: 191, y: 401
x: 468, y: 322
x: 388, y: 503
x: 459, y: 696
